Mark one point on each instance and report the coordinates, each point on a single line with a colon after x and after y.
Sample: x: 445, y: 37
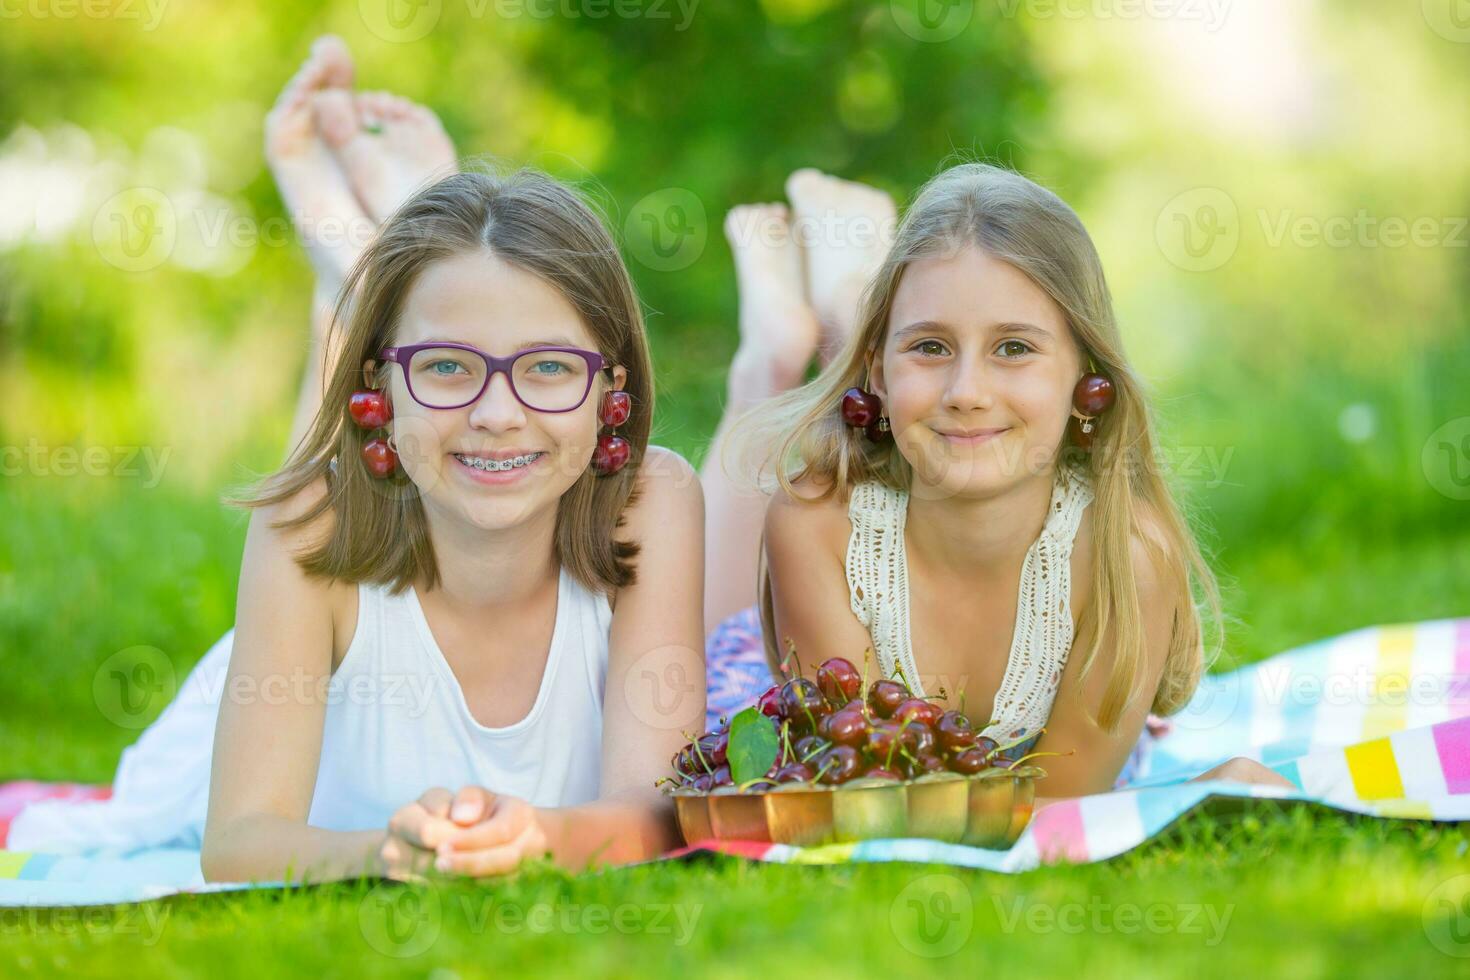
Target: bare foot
x: 845, y: 229
x: 778, y: 330
x: 388, y: 146
x: 331, y: 223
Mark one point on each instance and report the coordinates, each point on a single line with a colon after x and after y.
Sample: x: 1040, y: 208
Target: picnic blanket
x: 1374, y: 722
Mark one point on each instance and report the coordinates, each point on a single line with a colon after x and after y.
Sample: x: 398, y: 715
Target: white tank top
x: 396, y: 724
x: 878, y: 587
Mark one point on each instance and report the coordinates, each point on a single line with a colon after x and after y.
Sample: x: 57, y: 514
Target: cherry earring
x: 370, y: 410
x: 1093, y: 395
x: 861, y: 409
x: 613, y: 451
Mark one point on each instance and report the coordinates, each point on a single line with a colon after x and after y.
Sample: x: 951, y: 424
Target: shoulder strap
x: 1044, y: 630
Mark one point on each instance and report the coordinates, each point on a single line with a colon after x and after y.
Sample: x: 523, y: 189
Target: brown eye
x: 1014, y: 348
x: 929, y: 348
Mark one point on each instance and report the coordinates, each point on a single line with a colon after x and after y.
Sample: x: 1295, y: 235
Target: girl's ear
x: 877, y: 384
x: 620, y: 378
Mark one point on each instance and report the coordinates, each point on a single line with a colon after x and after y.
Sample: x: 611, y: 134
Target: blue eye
x: 437, y: 367
x: 553, y: 367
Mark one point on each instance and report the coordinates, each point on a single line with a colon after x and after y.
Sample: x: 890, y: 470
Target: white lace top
x: 878, y: 585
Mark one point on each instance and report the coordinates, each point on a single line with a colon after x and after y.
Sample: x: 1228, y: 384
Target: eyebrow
x: 550, y: 342
x: 928, y: 326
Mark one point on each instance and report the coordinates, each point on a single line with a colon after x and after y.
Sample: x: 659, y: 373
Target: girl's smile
x: 969, y: 438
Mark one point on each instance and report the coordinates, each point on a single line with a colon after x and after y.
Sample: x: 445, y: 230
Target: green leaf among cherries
x: 753, y: 746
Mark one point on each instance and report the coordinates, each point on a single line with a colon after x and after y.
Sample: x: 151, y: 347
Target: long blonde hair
x: 530, y: 221
x: 1019, y: 222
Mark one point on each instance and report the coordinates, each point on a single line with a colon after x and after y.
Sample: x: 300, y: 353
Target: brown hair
x: 530, y: 221
x: 1021, y: 223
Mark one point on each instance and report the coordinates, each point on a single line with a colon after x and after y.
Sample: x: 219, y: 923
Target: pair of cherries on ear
x: 1093, y: 395
x: 370, y: 410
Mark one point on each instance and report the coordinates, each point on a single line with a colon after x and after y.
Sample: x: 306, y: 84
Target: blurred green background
x: 1278, y: 191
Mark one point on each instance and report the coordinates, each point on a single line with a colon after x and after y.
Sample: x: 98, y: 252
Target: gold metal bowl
x: 989, y: 809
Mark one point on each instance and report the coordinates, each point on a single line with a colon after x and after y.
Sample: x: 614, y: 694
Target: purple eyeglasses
x: 543, y: 379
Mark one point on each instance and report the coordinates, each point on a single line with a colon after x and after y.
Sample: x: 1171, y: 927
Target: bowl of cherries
x: 815, y: 762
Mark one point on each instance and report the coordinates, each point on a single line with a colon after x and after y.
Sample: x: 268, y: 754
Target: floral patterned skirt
x: 736, y: 674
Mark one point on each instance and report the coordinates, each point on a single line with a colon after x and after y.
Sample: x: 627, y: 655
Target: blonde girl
x: 971, y: 535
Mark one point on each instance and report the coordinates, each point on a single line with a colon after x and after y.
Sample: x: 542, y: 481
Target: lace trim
x: 878, y: 576
x: 878, y: 586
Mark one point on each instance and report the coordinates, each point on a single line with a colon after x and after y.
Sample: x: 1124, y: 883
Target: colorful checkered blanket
x: 1375, y: 722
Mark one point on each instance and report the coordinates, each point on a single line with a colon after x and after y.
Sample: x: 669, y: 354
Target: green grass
x: 91, y: 567
x: 1294, y: 892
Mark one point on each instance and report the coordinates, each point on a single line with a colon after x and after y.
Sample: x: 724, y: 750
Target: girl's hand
x: 414, y: 833
x: 1243, y: 770
x: 496, y: 834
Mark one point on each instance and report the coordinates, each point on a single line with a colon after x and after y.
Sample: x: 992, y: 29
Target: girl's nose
x: 497, y: 408
x: 969, y: 388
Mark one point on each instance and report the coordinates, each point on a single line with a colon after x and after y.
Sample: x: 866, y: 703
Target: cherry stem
x: 791, y: 655
x: 700, y: 754
x: 1033, y: 755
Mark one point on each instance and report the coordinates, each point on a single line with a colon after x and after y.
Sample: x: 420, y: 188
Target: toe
x: 335, y: 60
x: 336, y: 117
x: 802, y: 183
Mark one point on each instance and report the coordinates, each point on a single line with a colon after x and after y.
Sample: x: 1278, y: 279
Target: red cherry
x: 838, y: 764
x: 926, y: 762
x: 919, y: 710
x: 808, y: 747
x: 714, y: 746
x: 686, y: 762
x: 1083, y: 440
x: 845, y: 727
x: 860, y: 408
x: 839, y: 680
x: 969, y: 762
x: 986, y: 744
x: 612, y: 454
x: 1093, y: 395
x: 882, y: 772
x: 616, y: 407
x: 795, y: 772
x: 369, y: 409
x: 803, y: 704
x: 704, y: 782
x: 954, y: 731
x: 380, y: 458
x: 918, y: 736
x: 769, y: 703
x: 884, y: 697
x: 883, y: 740
x: 721, y: 777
